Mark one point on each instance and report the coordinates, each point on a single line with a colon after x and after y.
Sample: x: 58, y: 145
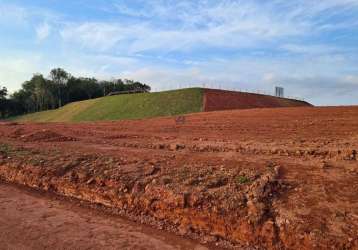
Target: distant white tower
x: 279, y: 92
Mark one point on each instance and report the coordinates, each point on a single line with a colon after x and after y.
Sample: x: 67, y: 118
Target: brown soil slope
x: 269, y: 178
x: 215, y: 100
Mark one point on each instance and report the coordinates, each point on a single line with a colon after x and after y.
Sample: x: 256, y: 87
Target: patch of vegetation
x: 10, y: 150
x: 119, y: 107
x: 241, y: 179
x: 5, y: 148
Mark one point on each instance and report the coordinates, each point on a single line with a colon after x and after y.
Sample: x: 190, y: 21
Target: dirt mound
x: 46, y: 136
x: 215, y: 100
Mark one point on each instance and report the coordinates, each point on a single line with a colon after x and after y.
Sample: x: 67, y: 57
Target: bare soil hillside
x: 214, y: 100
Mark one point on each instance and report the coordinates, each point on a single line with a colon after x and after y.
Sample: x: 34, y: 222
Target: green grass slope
x: 134, y: 106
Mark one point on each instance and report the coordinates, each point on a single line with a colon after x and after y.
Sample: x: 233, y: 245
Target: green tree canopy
x: 59, y: 78
x: 3, y: 92
x: 40, y: 93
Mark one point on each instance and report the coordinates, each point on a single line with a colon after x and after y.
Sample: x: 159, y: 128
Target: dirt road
x: 29, y: 220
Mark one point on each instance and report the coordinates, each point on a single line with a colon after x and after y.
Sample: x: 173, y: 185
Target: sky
x: 309, y: 47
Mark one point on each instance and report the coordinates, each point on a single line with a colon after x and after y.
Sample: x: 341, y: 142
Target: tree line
x: 59, y: 88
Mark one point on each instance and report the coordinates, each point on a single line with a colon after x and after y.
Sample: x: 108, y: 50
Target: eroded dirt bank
x: 273, y: 178
x: 31, y: 220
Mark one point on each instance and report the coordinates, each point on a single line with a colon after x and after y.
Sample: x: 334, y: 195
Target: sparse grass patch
x: 241, y: 179
x: 5, y: 148
x: 9, y: 150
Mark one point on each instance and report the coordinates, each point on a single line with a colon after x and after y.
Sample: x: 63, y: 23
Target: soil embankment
x: 214, y: 100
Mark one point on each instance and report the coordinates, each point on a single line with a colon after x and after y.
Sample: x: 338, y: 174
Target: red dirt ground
x: 215, y: 100
x: 33, y: 220
x: 281, y: 178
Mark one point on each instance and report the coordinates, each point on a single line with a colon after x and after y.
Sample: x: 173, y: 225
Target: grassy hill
x: 167, y: 103
x: 134, y: 106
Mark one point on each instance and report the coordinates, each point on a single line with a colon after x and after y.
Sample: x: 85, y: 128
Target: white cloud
x: 43, y: 31
x: 185, y: 25
x: 351, y: 79
x: 16, y: 69
x: 12, y: 14
x: 309, y: 49
x: 125, y: 10
x: 97, y: 36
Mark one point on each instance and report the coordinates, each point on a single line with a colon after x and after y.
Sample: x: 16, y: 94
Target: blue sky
x: 309, y: 47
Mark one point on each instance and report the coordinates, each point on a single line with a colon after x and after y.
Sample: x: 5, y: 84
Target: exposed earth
x: 262, y: 178
x: 216, y: 100
x: 30, y: 220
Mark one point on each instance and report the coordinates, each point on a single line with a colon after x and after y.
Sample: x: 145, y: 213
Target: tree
x: 20, y: 101
x: 75, y: 90
x: 40, y: 93
x: 3, y: 102
x: 59, y: 77
x: 91, y: 87
x: 3, y: 92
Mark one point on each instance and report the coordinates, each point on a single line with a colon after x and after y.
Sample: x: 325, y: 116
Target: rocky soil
x: 261, y: 178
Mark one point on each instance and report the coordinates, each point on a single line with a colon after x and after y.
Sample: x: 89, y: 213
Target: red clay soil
x: 36, y: 220
x: 281, y: 178
x: 215, y: 100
